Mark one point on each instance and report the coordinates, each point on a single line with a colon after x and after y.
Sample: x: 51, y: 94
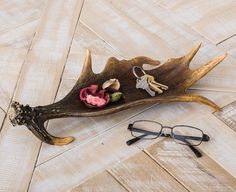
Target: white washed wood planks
x: 196, y: 174
x: 19, y: 37
x: 43, y: 66
x: 85, y: 160
x: 11, y: 61
x: 141, y: 173
x: 100, y: 183
x: 74, y: 166
x: 14, y: 45
x: 214, y: 19
x: 122, y: 33
x: 17, y: 13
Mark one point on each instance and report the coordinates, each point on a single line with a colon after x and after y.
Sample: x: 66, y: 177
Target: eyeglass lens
x: 187, y: 135
x: 146, y: 129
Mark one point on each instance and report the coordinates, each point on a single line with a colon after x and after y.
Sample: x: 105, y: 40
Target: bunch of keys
x: 148, y: 83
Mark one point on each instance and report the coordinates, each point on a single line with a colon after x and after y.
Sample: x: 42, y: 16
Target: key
x: 142, y: 83
x: 155, y: 88
x: 152, y: 81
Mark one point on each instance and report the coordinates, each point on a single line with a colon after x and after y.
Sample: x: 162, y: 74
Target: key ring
x: 134, y: 72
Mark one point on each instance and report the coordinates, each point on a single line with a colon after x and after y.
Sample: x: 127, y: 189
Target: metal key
x: 142, y: 83
x: 155, y: 88
x: 152, y: 81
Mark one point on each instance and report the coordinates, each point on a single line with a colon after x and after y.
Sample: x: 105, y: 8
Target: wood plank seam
x: 3, y: 117
x: 122, y: 184
x: 68, y: 51
x: 3, y: 110
x: 116, y: 51
x: 226, y: 39
x: 18, y: 26
x: 153, y: 159
x: 204, y: 170
x: 59, y: 84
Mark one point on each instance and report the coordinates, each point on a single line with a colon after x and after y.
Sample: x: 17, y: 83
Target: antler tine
x: 203, y: 70
x: 87, y: 67
x: 40, y: 131
x: 188, y: 58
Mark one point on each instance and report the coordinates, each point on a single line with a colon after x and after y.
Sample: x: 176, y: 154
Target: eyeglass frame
x: 204, y: 138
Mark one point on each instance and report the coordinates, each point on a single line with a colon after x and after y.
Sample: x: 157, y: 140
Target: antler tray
x: 175, y: 73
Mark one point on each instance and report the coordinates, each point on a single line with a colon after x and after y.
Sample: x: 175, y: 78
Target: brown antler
x: 174, y: 73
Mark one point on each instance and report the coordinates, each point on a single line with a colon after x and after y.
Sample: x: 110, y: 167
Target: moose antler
x: 175, y: 73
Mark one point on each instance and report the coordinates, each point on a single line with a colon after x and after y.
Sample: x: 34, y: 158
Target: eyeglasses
x: 182, y: 134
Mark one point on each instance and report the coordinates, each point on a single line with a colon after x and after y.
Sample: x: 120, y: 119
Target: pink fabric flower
x: 94, y: 98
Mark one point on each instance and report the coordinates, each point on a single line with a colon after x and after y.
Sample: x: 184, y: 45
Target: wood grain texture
x: 196, y: 174
x: 17, y: 13
x: 20, y: 37
x: 117, y: 29
x: 211, y: 27
x: 141, y: 173
x: 11, y: 61
x: 228, y: 115
x: 45, y: 59
x: 100, y: 183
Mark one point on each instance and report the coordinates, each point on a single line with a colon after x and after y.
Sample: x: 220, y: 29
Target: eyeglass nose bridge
x: 167, y: 127
x: 167, y: 134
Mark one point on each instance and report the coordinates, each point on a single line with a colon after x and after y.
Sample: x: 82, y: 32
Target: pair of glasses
x: 182, y: 134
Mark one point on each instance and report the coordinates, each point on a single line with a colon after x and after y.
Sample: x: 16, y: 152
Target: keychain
x: 148, y: 83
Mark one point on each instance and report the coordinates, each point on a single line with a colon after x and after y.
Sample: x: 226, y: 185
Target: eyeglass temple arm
x: 131, y: 141
x: 143, y: 131
x: 194, y: 149
x: 203, y: 138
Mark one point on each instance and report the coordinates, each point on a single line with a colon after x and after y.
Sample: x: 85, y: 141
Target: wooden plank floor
x: 43, y: 44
